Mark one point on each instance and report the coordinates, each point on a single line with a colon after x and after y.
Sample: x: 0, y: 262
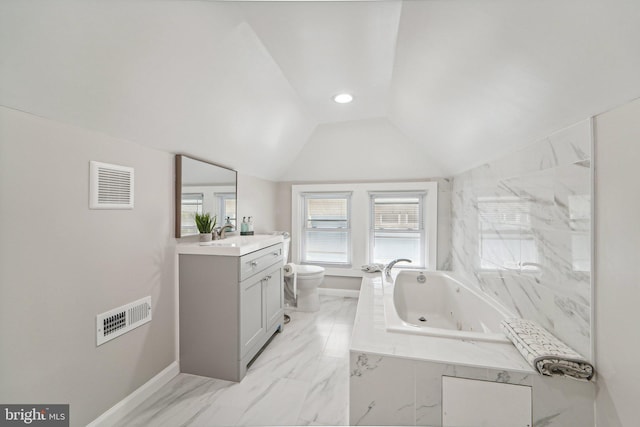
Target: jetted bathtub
x: 435, y: 303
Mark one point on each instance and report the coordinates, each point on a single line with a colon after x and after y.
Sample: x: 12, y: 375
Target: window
x: 227, y: 207
x: 326, y: 234
x: 191, y: 204
x: 397, y: 227
x: 344, y: 226
x: 506, y: 236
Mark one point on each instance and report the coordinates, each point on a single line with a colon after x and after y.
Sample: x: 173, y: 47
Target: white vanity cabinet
x: 230, y: 306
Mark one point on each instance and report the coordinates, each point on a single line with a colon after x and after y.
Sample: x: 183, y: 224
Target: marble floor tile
x: 328, y: 399
x: 178, y: 402
x: 338, y: 341
x: 291, y: 355
x: 301, y: 378
x: 278, y: 405
x: 214, y: 415
x: 347, y: 314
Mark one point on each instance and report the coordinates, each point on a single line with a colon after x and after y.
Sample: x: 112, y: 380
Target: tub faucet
x: 219, y: 233
x: 387, y: 269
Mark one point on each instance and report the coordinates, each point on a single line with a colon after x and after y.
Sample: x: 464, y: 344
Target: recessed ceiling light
x: 343, y: 98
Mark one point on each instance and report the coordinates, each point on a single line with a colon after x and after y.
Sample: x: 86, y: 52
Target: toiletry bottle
x: 250, y: 227
x: 228, y: 223
x: 244, y: 226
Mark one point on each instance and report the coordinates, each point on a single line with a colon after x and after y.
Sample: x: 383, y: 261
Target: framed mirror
x: 203, y: 187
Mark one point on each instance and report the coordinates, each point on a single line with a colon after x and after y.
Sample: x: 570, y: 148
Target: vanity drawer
x: 257, y: 261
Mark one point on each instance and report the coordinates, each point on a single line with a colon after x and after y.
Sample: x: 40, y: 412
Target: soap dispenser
x: 250, y: 227
x: 244, y: 227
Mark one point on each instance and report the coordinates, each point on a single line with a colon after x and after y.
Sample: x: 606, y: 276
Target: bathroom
x: 528, y: 105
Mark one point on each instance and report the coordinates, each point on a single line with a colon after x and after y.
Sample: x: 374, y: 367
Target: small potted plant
x: 205, y: 224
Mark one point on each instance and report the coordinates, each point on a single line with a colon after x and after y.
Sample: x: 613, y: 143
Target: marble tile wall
x: 445, y: 186
x: 387, y: 390
x: 521, y: 232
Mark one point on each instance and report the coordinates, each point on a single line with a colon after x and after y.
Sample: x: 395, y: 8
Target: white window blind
x: 326, y: 228
x: 397, y: 227
x: 191, y: 204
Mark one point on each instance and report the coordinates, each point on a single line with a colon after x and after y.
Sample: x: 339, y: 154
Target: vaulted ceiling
x: 440, y: 86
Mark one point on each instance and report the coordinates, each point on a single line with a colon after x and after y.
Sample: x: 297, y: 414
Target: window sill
x: 342, y: 272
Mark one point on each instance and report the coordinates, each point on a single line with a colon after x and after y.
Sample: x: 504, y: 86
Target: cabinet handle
x: 253, y: 264
x: 276, y: 253
x: 265, y: 279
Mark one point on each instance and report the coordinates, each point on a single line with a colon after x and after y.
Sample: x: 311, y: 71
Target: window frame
x: 325, y: 195
x: 422, y: 226
x: 221, y: 197
x: 361, y: 220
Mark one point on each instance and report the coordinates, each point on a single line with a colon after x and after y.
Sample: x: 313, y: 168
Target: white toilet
x: 307, y: 279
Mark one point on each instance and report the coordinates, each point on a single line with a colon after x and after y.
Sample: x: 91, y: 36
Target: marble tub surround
x: 386, y: 390
x: 521, y: 232
x: 396, y: 379
x: 301, y: 378
x: 371, y: 336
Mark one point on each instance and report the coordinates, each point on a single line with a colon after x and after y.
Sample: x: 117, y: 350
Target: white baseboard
x: 122, y: 408
x: 348, y: 293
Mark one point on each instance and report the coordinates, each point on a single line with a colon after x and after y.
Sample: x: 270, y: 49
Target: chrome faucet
x: 387, y: 269
x: 219, y: 232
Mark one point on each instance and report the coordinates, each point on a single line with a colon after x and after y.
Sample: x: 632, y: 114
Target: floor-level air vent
x: 113, y: 323
x: 111, y: 186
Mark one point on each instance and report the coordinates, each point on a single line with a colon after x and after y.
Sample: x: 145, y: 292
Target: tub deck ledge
x: 370, y: 336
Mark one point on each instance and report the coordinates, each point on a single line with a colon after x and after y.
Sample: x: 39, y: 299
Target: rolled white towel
x: 546, y: 353
x: 372, y: 268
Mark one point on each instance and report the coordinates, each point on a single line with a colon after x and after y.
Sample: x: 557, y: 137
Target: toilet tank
x: 285, y: 244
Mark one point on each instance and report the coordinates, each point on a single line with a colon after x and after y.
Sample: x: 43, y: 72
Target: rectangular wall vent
x: 111, y: 186
x: 113, y: 323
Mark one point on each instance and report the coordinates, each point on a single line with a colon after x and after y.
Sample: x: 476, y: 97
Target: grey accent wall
x: 617, y: 272
x: 522, y: 232
x: 61, y: 264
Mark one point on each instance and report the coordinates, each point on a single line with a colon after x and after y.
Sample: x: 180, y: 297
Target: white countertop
x: 370, y: 336
x: 230, y: 246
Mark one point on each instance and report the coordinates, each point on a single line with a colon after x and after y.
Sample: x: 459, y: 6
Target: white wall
x: 283, y: 214
x: 61, y: 264
x: 257, y: 199
x: 617, y: 215
x: 180, y: 76
x: 372, y: 149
